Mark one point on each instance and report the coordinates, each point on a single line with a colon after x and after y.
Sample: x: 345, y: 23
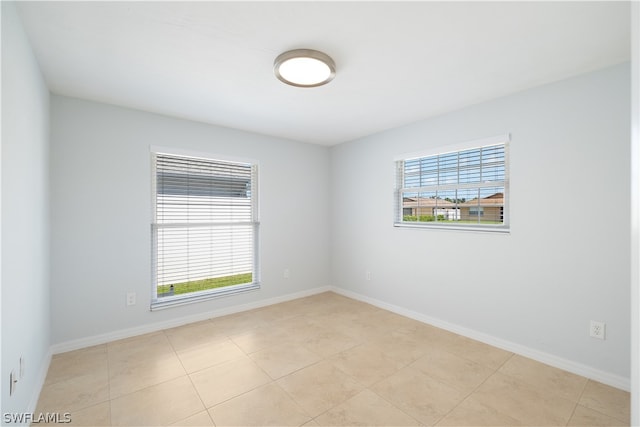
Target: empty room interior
x: 320, y: 213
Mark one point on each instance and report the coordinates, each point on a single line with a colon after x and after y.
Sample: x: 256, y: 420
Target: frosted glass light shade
x: 304, y: 68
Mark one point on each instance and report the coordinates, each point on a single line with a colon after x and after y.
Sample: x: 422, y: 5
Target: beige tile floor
x: 322, y: 360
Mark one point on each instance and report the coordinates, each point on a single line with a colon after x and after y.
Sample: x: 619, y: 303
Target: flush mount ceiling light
x: 304, y: 68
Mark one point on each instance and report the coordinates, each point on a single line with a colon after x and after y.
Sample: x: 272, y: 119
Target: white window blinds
x: 463, y: 189
x: 204, y: 228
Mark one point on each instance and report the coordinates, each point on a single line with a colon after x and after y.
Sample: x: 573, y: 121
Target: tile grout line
x: 615, y: 417
x: 326, y: 359
x: 476, y: 388
x: 189, y: 378
x: 295, y: 402
x: 584, y: 387
x: 391, y: 403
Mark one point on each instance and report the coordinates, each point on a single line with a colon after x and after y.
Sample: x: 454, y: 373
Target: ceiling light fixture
x: 304, y: 68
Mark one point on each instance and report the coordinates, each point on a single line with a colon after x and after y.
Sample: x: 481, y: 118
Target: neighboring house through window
x: 464, y: 187
x: 204, y: 230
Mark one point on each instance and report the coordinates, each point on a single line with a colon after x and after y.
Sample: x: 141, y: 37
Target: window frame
x: 198, y: 296
x: 399, y: 160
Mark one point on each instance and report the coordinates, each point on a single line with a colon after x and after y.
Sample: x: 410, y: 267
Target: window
x: 464, y: 187
x: 476, y: 211
x: 204, y: 229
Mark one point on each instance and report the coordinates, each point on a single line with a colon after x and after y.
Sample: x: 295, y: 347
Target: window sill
x: 194, y: 297
x: 499, y: 229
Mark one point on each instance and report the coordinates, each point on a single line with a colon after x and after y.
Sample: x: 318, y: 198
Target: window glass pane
x: 493, y: 154
x: 426, y: 206
x: 412, y: 173
x: 470, y: 158
x: 492, y: 193
x: 470, y: 175
x: 429, y: 171
x: 409, y: 206
x: 493, y: 163
x: 447, y: 209
x: 469, y: 166
x: 492, y: 202
x: 448, y: 165
x: 192, y: 259
x: 449, y: 160
x: 468, y: 203
x: 493, y: 173
x: 448, y: 176
x: 455, y: 187
x: 465, y: 195
x: 204, y: 228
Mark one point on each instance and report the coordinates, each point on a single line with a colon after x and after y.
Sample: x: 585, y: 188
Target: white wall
x: 566, y: 259
x: 101, y: 207
x: 25, y: 215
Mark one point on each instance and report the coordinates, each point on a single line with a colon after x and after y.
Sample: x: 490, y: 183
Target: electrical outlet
x: 368, y: 275
x: 286, y: 273
x: 597, y: 329
x: 131, y: 298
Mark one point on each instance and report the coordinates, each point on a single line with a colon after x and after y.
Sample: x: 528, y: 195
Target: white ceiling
x: 397, y: 62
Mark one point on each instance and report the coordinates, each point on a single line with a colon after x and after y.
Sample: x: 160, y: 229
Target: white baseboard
x: 42, y: 376
x: 172, y: 323
x: 547, y: 358
x: 558, y: 362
